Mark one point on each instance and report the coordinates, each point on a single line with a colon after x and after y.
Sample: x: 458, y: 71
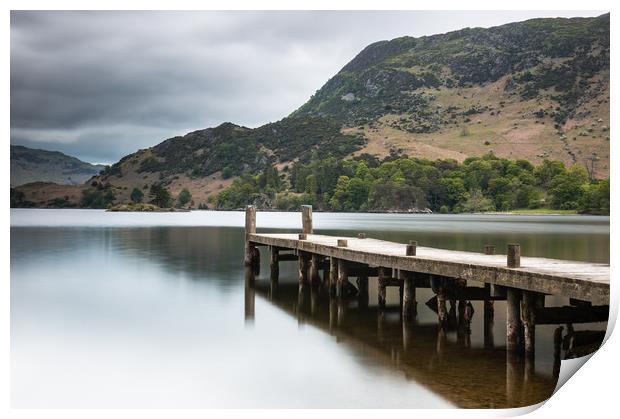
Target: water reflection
x: 441, y: 359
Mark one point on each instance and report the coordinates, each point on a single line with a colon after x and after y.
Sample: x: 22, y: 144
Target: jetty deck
x: 579, y: 280
x: 523, y: 282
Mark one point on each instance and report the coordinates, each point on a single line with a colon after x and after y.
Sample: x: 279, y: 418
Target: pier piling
x: 343, y: 278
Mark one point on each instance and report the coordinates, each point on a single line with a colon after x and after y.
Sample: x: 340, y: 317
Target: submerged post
x: 514, y: 256
x: 314, y: 269
x: 250, y: 228
x: 306, y: 219
x: 274, y: 263
x: 343, y: 277
x: 382, y: 283
x: 513, y: 320
x: 333, y: 274
x: 409, y: 303
x: 528, y: 317
x: 303, y: 268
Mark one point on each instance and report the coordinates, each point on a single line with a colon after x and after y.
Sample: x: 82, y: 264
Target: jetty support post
x: 513, y: 320
x: 438, y: 285
x: 362, y: 286
x: 343, y: 278
x: 382, y: 285
x: 528, y: 318
x: 306, y: 219
x: 333, y: 275
x: 303, y: 268
x: 274, y: 263
x: 250, y: 228
x: 514, y: 326
x: 409, y: 302
x: 314, y: 269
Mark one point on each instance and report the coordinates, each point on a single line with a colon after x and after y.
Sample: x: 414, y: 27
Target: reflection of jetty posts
x: 522, y: 282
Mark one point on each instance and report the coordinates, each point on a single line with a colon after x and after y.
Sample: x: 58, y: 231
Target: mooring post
x: 303, y: 268
x: 528, y: 317
x: 306, y: 219
x: 409, y: 303
x: 513, y: 320
x: 514, y: 256
x: 250, y: 228
x: 274, y: 263
x: 343, y: 277
x: 333, y: 275
x: 381, y: 290
x: 411, y: 248
x: 489, y: 249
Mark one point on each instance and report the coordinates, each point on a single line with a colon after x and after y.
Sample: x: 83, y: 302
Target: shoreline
x: 558, y: 213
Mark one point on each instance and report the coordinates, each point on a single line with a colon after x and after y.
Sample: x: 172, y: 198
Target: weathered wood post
x: 343, y: 277
x: 513, y: 320
x: 362, y: 286
x: 528, y: 317
x: 557, y: 351
x: 489, y: 312
x: 439, y: 288
x: 333, y: 275
x: 361, y: 235
x: 382, y: 285
x: 274, y: 263
x: 303, y: 268
x: 250, y: 228
x: 314, y: 269
x: 514, y: 327
x: 409, y: 303
x: 514, y: 256
x: 489, y: 249
x: 306, y: 219
x: 411, y: 248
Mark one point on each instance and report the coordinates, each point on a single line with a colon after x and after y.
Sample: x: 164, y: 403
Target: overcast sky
x: 100, y: 85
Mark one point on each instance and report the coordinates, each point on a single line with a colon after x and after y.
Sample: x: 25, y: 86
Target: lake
x: 152, y: 310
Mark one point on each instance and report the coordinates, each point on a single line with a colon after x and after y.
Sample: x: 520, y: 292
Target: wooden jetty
x: 522, y: 281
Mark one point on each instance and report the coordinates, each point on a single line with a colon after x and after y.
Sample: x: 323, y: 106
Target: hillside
x: 535, y: 90
x: 32, y: 165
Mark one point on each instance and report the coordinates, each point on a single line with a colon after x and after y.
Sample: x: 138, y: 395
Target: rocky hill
x: 32, y: 165
x: 531, y: 90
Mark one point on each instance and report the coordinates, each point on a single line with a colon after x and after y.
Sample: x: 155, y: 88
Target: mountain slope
x: 532, y: 90
x: 34, y: 165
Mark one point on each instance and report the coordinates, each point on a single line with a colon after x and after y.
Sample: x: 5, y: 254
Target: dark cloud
x: 99, y: 85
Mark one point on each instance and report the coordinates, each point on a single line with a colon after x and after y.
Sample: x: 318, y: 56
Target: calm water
x: 151, y: 310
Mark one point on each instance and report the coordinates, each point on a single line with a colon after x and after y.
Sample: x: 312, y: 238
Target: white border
x: 591, y: 393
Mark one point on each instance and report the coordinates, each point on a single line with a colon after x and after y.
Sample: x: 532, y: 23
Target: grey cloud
x: 99, y: 85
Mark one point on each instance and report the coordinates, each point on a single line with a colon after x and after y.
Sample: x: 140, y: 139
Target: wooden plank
x: 580, y: 280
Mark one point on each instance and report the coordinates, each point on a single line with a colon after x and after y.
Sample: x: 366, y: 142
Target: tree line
x: 364, y: 183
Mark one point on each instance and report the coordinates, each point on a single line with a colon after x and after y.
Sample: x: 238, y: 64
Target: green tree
x: 160, y: 196
x: 567, y: 189
x: 184, y: 197
x: 477, y: 202
x: 137, y: 195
